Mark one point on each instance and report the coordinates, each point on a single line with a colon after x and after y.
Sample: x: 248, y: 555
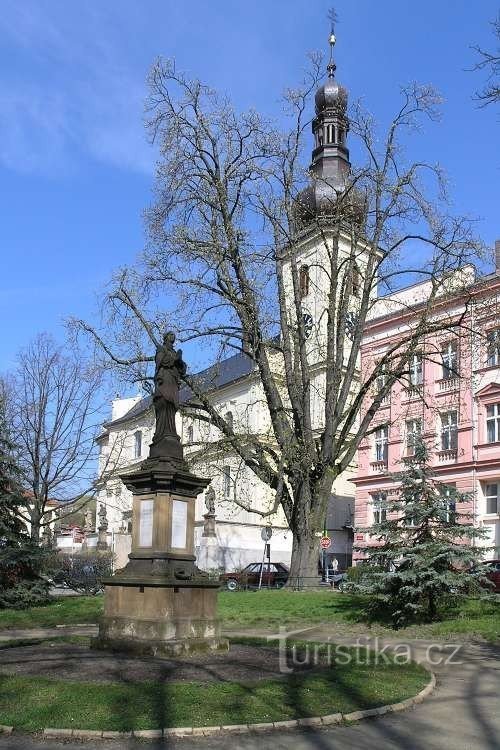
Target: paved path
x: 463, y: 713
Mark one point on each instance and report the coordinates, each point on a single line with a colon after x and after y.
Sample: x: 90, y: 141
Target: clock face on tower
x: 308, y: 322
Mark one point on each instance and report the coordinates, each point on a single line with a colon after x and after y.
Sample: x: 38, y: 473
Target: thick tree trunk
x: 305, y: 557
x: 35, y: 520
x: 309, y: 518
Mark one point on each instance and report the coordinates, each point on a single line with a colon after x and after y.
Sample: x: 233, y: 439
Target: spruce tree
x: 423, y: 552
x: 21, y: 584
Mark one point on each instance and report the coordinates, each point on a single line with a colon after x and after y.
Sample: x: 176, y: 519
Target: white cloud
x: 70, y: 91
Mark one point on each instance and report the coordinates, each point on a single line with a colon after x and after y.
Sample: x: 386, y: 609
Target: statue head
x: 169, y: 339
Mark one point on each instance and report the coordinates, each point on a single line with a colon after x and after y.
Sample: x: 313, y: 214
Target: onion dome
x: 330, y: 167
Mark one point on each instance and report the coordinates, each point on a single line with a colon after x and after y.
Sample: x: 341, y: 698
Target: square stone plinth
x: 161, y: 621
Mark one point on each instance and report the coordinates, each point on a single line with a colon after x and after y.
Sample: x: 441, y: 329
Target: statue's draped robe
x: 169, y: 366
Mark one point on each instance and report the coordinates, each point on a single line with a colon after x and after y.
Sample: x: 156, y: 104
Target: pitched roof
x: 216, y: 376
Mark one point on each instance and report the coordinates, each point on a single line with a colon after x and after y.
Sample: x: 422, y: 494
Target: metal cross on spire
x: 333, y: 18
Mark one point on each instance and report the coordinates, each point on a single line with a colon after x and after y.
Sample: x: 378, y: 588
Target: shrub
x: 83, y: 571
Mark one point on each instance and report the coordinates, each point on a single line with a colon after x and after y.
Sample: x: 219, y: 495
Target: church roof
x: 212, y: 378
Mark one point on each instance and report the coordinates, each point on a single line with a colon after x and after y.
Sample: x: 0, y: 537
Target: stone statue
x: 88, y: 524
x: 168, y: 371
x: 210, y: 500
x: 209, y: 522
x: 103, y: 518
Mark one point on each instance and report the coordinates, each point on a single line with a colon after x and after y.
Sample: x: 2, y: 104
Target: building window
x: 379, y: 503
x: 356, y: 280
x: 304, y: 281
x: 493, y: 423
x: 137, y: 444
x: 449, y: 354
x: 381, y: 380
x: 190, y: 433
x: 229, y: 419
x: 381, y: 443
x: 226, y: 480
x: 492, y: 494
x: 493, y: 347
x: 413, y: 432
x: 447, y: 493
x: 416, y: 369
x: 449, y: 431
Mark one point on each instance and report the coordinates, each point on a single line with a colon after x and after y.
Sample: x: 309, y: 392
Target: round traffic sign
x: 325, y: 542
x: 266, y: 533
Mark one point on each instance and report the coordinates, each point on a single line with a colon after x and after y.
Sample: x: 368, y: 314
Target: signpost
x: 325, y: 543
x: 266, y: 534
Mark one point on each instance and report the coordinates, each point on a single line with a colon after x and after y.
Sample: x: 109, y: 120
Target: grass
x: 340, y: 688
x: 66, y: 610
x: 269, y: 609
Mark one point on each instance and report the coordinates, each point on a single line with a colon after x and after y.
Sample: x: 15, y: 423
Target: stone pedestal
x: 160, y: 603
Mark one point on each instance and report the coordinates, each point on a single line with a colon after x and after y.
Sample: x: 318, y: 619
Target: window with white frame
x: 448, y: 495
x: 416, y: 369
x: 226, y: 481
x: 137, y: 444
x: 413, y: 432
x: 381, y: 443
x: 493, y: 347
x: 379, y: 505
x: 449, y: 356
x: 493, y: 423
x: 381, y: 380
x: 492, y: 495
x: 449, y: 431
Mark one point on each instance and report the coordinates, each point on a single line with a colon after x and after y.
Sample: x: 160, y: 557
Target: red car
x: 274, y: 575
x: 493, y: 574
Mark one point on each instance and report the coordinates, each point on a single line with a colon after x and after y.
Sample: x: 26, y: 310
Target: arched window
x: 356, y: 281
x: 137, y: 444
x: 229, y: 420
x: 304, y: 281
x: 226, y: 481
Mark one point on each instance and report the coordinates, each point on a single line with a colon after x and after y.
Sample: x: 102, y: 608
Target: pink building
x: 451, y: 396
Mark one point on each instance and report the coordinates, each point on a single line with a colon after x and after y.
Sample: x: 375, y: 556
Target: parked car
x: 493, y: 574
x: 274, y: 575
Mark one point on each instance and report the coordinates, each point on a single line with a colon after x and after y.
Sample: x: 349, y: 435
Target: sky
x: 76, y: 169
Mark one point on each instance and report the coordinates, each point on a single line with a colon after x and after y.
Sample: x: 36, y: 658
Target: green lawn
x: 33, y: 703
x: 269, y: 609
x: 67, y: 610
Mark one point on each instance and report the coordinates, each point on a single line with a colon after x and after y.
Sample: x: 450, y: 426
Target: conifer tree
x: 423, y: 552
x: 20, y: 559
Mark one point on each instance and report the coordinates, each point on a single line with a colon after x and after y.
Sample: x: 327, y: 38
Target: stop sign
x: 325, y: 542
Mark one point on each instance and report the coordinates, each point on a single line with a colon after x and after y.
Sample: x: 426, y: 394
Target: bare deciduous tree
x: 54, y: 403
x: 234, y: 216
x: 490, y: 61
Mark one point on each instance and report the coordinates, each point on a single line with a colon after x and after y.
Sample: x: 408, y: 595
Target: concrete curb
x: 314, y: 722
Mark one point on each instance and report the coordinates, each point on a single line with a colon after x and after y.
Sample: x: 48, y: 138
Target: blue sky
x: 76, y: 169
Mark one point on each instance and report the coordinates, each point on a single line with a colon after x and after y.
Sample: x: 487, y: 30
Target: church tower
x: 330, y: 167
